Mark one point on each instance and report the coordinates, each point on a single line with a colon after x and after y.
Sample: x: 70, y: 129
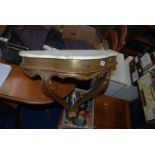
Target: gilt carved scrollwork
x: 46, y: 86
x: 81, y: 65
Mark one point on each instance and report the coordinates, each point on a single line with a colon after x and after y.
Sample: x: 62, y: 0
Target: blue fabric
x: 54, y: 39
x: 34, y: 118
x: 7, y: 121
x: 32, y: 36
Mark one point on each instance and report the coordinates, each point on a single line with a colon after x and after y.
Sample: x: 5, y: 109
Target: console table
x: 75, y: 64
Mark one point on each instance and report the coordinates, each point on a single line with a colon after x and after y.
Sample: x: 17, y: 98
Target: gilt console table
x: 75, y: 64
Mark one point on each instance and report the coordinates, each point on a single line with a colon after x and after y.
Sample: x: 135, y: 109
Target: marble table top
x: 70, y: 54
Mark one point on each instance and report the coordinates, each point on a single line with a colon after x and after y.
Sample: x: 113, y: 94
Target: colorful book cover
x: 147, y: 91
x: 85, y: 114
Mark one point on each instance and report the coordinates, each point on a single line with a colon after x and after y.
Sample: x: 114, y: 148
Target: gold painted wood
x: 80, y: 69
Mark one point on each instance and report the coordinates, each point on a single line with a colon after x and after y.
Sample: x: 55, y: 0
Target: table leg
x: 72, y: 110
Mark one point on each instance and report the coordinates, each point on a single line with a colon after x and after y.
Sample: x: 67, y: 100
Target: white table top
x: 70, y: 54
